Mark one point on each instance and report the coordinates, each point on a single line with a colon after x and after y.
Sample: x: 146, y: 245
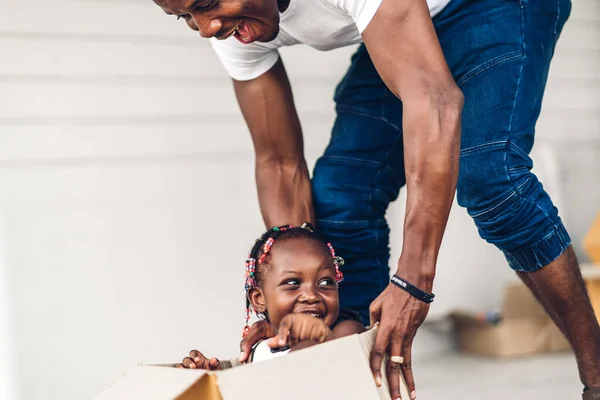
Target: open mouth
x: 243, y: 32
x: 315, y: 314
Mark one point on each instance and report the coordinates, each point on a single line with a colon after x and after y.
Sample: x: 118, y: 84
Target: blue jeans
x: 499, y: 52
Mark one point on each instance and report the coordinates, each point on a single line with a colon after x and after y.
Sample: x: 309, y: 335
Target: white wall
x: 127, y: 200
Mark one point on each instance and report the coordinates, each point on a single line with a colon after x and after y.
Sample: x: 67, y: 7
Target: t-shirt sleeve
x: 361, y: 11
x: 244, y: 62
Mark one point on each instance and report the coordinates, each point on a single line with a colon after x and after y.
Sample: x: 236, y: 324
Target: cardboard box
x: 591, y: 276
x: 334, y: 370
x: 523, y: 328
x: 591, y: 241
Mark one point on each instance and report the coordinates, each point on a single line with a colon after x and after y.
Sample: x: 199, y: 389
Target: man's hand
x: 399, y: 316
x: 197, y: 360
x: 260, y: 330
x: 295, y: 328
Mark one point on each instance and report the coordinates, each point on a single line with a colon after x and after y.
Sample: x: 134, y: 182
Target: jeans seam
x: 558, y: 230
x: 487, y: 65
x: 510, y: 131
x: 341, y: 160
x: 553, y: 231
x: 361, y: 221
x: 512, y: 113
x: 512, y: 116
x: 357, y: 111
x: 517, y: 149
x: 494, y: 206
x: 518, y: 188
x: 556, y: 22
x: 490, y: 145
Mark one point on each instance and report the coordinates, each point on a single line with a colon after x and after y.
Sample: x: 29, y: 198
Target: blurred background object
x: 128, y: 205
x: 591, y: 241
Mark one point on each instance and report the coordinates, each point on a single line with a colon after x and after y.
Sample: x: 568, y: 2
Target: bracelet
x: 412, y: 290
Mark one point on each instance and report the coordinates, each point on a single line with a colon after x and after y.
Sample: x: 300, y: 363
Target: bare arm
x: 406, y: 52
x: 282, y: 179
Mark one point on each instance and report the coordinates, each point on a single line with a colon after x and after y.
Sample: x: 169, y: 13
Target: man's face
x: 247, y: 20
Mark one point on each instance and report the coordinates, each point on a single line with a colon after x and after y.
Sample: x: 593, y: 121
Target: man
x: 399, y: 110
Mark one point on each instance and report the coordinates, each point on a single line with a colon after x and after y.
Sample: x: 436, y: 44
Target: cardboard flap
x: 338, y: 369
x: 204, y: 388
x: 591, y: 241
x: 152, y: 383
x: 520, y: 303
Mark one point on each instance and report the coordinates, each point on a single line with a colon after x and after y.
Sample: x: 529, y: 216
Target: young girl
x: 292, y: 278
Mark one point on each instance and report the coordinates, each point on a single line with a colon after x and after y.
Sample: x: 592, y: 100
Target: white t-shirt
x: 321, y: 24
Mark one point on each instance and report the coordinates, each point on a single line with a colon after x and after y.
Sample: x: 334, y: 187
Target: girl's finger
x: 284, y: 331
x: 196, y: 356
x: 188, y: 363
x: 214, y: 364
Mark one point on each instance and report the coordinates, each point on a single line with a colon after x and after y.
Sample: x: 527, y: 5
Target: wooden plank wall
x: 127, y: 199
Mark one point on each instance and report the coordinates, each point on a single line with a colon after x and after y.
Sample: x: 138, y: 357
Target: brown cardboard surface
x: 204, y: 388
x: 151, y: 383
x: 336, y: 369
x: 524, y: 329
x: 519, y: 302
x: 591, y: 276
x: 591, y: 241
x: 509, y: 338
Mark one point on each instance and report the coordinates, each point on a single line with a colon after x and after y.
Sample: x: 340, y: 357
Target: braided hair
x: 260, y: 252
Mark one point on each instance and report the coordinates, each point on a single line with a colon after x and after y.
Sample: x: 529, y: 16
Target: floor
x: 453, y: 376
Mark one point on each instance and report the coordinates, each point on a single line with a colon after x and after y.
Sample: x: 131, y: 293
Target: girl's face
x: 300, y: 278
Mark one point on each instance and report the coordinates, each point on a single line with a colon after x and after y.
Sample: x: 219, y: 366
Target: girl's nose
x: 309, y: 295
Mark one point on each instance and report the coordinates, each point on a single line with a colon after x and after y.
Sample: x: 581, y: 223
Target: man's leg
x: 560, y: 288
x: 359, y: 174
x: 500, y: 58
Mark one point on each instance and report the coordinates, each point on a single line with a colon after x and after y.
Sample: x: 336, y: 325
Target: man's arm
x: 282, y: 179
x: 405, y: 50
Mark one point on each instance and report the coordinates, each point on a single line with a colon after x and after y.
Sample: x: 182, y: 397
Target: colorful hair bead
x: 338, y: 261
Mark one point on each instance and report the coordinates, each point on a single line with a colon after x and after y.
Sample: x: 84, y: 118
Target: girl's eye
x: 292, y: 282
x: 326, y: 282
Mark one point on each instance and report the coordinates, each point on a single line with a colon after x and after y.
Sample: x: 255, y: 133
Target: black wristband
x: 412, y: 290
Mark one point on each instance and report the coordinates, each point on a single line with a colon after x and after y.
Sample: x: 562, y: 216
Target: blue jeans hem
x: 541, y: 253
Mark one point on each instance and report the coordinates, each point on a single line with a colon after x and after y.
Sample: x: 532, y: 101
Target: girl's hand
x: 197, y: 360
x: 297, y: 327
x: 260, y: 330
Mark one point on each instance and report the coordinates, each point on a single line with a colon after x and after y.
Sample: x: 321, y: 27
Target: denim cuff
x: 541, y: 253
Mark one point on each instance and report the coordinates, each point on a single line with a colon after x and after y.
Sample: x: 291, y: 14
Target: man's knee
x: 511, y: 208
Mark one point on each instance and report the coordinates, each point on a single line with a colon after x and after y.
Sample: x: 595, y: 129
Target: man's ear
x: 257, y: 299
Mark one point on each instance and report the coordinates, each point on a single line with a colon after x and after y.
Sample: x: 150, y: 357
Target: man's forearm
x: 282, y: 180
x: 432, y: 151
x: 403, y: 45
x: 284, y: 192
